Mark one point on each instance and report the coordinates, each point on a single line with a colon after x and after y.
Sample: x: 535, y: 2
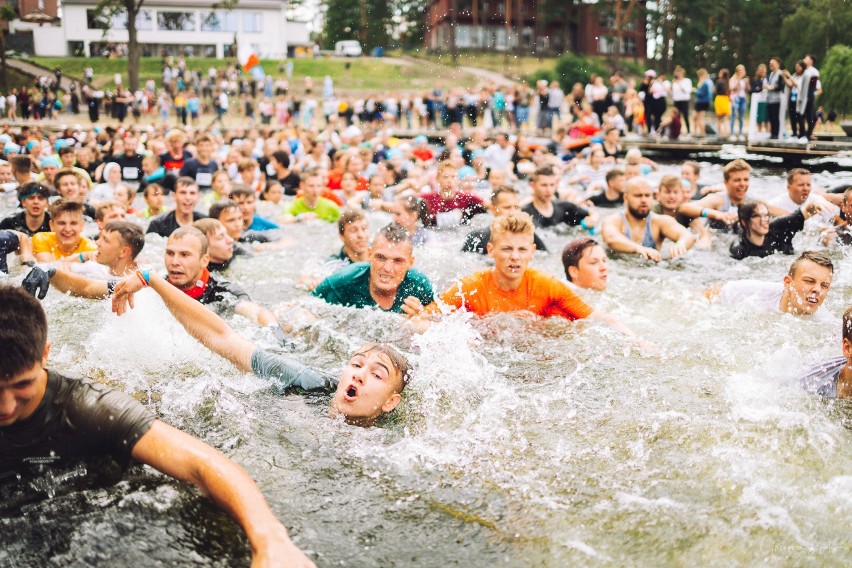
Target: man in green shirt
x: 310, y: 205
x: 387, y: 280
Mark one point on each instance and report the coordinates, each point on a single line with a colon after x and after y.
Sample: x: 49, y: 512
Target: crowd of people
x: 654, y: 105
x: 89, y: 196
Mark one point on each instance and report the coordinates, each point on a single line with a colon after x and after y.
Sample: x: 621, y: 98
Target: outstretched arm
x: 618, y: 241
x: 256, y: 313
x: 183, y: 457
x: 201, y: 323
x: 681, y: 237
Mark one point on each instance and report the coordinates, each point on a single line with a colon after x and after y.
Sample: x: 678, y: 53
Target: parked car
x: 348, y: 48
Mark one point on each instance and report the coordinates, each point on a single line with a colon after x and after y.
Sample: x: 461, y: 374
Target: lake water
x: 520, y: 441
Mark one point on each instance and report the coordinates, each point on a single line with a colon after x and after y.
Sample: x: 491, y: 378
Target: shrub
x: 571, y: 68
x: 837, y: 80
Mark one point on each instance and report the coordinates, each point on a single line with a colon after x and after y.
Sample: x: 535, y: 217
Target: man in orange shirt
x: 511, y: 285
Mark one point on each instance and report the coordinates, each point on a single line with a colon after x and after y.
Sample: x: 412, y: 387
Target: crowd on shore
x: 88, y: 196
x: 653, y: 105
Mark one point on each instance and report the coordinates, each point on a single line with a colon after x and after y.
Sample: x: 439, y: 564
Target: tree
x: 106, y: 10
x: 365, y: 20
x: 410, y: 22
x: 837, y: 80
x: 814, y: 27
x: 7, y: 14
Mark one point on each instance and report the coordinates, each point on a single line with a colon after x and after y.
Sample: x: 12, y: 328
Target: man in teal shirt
x: 387, y: 280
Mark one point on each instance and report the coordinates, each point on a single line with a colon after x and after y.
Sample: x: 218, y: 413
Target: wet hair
x: 669, y: 181
x: 791, y: 175
x: 395, y: 233
x: 847, y: 324
x: 745, y: 212
x: 153, y: 157
x: 347, y: 217
x: 738, y: 165
x: 102, y: 209
x: 816, y: 257
x: 543, y: 171
x: 203, y: 138
x: 220, y: 207
x: 694, y: 166
x: 65, y: 173
x: 185, y: 181
x: 245, y: 165
x: 208, y: 225
x: 32, y: 188
x: 241, y: 192
x: 130, y: 233
x: 282, y: 158
x: 61, y: 206
x: 504, y: 189
x: 23, y: 332
x: 414, y: 204
x: 265, y: 191
x: 445, y: 165
x: 65, y: 150
x: 218, y: 173
x: 573, y: 252
x: 151, y: 187
x: 309, y: 173
x: 22, y: 164
x: 517, y: 223
x: 191, y: 232
x: 398, y: 361
x: 613, y: 173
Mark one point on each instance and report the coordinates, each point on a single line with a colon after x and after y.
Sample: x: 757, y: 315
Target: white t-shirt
x: 763, y: 295
x: 784, y: 202
x: 681, y: 89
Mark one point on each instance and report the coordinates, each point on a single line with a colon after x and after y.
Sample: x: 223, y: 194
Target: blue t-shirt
x: 350, y: 286
x: 260, y: 224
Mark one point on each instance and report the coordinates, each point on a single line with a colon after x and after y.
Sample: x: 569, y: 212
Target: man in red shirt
x: 448, y: 207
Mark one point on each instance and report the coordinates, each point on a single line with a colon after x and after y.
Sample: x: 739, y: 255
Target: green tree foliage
x: 836, y: 76
x: 367, y: 21
x: 571, y: 68
x: 409, y: 17
x: 814, y: 27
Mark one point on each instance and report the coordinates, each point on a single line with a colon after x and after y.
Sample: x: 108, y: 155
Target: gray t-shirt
x: 288, y: 373
x: 822, y: 378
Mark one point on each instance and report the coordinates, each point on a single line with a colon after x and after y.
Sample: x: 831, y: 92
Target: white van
x: 348, y: 48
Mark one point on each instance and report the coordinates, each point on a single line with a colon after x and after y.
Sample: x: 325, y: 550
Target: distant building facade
x: 192, y: 28
x: 481, y: 24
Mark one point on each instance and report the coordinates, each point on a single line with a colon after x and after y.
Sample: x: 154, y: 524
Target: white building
x: 168, y: 27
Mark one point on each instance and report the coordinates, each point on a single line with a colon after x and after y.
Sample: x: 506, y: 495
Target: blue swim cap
x: 50, y: 161
x: 421, y: 140
x: 466, y: 171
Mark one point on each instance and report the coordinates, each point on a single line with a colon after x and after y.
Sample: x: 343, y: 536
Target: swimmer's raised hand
x: 411, y: 306
x: 122, y: 297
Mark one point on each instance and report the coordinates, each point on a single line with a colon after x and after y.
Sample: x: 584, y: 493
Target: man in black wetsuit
x: 760, y: 237
x: 546, y: 211
x: 48, y: 420
x: 369, y: 386
x: 184, y: 214
x: 34, y: 218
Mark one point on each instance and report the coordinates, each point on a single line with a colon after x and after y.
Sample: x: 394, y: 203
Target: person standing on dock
x: 681, y: 93
x: 774, y: 86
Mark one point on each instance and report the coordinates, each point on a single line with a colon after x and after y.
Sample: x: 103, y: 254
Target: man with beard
x: 637, y: 230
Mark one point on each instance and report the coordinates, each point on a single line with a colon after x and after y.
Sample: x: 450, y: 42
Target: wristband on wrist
x: 81, y: 258
x: 111, y: 287
x: 583, y: 224
x: 705, y: 212
x: 144, y: 277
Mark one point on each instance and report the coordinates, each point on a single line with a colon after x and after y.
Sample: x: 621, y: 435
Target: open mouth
x: 812, y: 300
x: 351, y: 393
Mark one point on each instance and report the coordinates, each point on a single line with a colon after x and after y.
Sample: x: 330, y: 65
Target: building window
x: 218, y: 22
x: 176, y: 21
x: 252, y: 23
x: 603, y: 45
x: 628, y: 46
x: 144, y: 20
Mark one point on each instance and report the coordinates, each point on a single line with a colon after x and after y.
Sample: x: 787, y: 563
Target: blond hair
x: 517, y: 223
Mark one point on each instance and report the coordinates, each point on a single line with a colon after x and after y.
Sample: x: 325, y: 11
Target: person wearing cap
x: 49, y: 167
x: 422, y: 151
x: 34, y: 218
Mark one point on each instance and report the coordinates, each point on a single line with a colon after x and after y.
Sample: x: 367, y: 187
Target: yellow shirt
x: 46, y: 242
